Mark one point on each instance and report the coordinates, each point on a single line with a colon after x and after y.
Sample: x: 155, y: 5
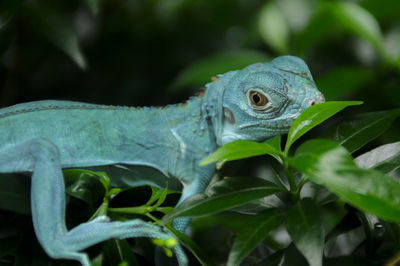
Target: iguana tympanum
x: 44, y: 137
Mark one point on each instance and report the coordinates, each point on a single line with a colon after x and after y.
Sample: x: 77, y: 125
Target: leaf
x: 305, y: 227
x: 358, y: 20
x: 117, y: 251
x: 319, y: 28
x: 225, y: 194
x: 238, y: 150
x: 391, y: 42
x: 275, y: 142
x: 344, y: 244
x: 253, y: 232
x: 57, y: 29
x: 162, y: 197
x: 288, y: 256
x: 15, y: 193
x: 232, y: 184
x: 296, y: 12
x: 332, y: 214
x: 389, y: 165
x: 97, y: 261
x: 356, y: 131
x: 200, y: 72
x: 86, y: 187
x: 101, y: 210
x: 72, y: 175
x: 159, y: 195
x: 343, y: 81
x: 93, y: 5
x: 192, y: 247
x: 313, y: 116
x: 329, y: 164
x: 385, y: 158
x: 273, y: 28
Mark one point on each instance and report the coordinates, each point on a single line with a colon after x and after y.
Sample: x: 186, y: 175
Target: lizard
x: 41, y: 138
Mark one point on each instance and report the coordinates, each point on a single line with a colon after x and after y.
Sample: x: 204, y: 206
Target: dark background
x: 136, y: 52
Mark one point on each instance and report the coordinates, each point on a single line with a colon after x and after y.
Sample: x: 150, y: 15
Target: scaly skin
x: 43, y: 137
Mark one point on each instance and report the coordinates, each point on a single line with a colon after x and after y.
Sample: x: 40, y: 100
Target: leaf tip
x: 205, y: 161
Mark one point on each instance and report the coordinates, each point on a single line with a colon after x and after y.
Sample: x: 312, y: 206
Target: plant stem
x: 290, y: 176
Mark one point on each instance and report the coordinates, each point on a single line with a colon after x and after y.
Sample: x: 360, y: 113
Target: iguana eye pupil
x: 257, y: 99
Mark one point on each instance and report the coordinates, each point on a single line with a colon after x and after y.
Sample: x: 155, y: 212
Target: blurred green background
x: 155, y: 52
x: 158, y: 52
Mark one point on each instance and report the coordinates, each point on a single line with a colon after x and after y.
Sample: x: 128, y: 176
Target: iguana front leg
x: 195, y: 187
x: 41, y: 157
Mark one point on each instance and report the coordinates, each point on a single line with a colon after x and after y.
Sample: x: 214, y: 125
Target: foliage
x: 328, y: 195
x: 322, y: 161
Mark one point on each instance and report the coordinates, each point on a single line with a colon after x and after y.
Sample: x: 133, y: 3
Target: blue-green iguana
x: 255, y: 103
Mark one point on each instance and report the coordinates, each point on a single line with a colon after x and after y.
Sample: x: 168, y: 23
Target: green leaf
x: 86, y: 187
x: 329, y: 164
x: 14, y: 193
x: 313, y: 116
x: 305, y: 227
x: 285, y: 257
x: 273, y: 28
x: 57, y: 29
x: 162, y: 197
x: 343, y: 81
x: 226, y: 194
x: 385, y: 158
x: 101, y: 210
x: 117, y: 251
x: 72, y: 175
x: 192, y: 247
x: 93, y: 5
x: 356, y: 131
x: 319, y: 29
x: 164, y: 210
x: 345, y: 244
x: 238, y: 150
x: 275, y: 142
x: 232, y: 184
x: 253, y: 232
x: 391, y: 42
x: 296, y: 12
x: 159, y: 195
x: 97, y: 261
x: 332, y: 214
x: 359, y: 21
x: 200, y: 72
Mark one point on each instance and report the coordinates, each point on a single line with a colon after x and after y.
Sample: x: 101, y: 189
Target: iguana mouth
x: 277, y: 125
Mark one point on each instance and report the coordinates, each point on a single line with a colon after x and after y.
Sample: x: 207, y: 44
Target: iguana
x: 44, y: 137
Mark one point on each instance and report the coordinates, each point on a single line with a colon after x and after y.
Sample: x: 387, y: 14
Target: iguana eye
x: 257, y: 99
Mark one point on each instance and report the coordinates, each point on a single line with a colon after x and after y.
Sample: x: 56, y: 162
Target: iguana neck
x: 213, y: 103
x: 192, y: 121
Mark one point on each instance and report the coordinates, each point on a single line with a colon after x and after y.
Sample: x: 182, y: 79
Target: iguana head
x: 261, y: 100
